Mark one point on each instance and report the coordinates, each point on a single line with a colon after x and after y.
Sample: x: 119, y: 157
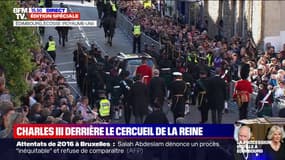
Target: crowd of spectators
x: 181, y: 41
x: 50, y: 99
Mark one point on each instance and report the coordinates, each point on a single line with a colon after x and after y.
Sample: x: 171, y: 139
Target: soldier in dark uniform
x: 201, y: 89
x: 125, y: 86
x: 193, y: 68
x: 165, y: 73
x: 115, y: 93
x: 82, y: 69
x: 96, y: 78
x: 92, y: 71
x: 190, y: 81
x: 177, y: 93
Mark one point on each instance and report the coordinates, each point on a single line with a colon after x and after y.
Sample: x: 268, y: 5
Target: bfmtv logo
x: 23, y: 13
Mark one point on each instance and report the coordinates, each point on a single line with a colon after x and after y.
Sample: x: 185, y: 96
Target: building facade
x: 236, y: 17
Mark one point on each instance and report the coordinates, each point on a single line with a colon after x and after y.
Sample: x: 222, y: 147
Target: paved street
x: 121, y: 43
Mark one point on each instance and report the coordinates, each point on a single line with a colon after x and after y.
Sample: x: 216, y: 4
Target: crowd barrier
x: 126, y: 26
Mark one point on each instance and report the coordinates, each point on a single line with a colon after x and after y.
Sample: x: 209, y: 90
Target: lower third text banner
x: 119, y: 131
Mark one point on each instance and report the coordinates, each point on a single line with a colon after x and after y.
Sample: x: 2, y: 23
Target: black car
x: 130, y: 61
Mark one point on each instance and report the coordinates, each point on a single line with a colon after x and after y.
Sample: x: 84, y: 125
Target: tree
x: 15, y: 49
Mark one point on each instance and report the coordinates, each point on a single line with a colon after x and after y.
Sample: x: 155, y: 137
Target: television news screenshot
x: 142, y: 80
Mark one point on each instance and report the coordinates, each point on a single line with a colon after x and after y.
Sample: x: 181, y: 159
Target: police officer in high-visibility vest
x: 210, y: 59
x: 192, y: 57
x: 104, y: 106
x: 137, y: 37
x: 51, y: 48
x: 147, y: 4
x: 114, y: 8
x: 41, y: 3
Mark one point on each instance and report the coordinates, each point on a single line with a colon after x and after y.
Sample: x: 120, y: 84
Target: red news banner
x: 54, y: 16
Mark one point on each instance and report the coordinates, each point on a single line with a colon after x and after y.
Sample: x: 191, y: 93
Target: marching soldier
x: 125, y: 85
x: 202, y: 96
x: 190, y: 92
x: 242, y: 92
x: 177, y: 94
x: 226, y: 77
x: 92, y: 82
x: 51, y: 48
x: 115, y: 93
x: 192, y: 63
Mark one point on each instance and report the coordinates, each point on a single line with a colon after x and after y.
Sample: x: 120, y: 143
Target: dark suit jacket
x: 139, y: 98
x: 157, y: 88
x: 216, y: 90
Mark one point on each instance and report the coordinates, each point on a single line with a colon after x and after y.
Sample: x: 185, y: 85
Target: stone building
x: 238, y: 17
x: 261, y: 17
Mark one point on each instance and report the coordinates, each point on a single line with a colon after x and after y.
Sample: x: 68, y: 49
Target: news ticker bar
x: 25, y: 23
x: 118, y: 131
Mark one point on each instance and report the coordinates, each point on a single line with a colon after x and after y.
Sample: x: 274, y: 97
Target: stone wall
x: 274, y: 24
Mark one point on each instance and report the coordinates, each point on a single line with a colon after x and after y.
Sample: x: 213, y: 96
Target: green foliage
x: 15, y: 46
